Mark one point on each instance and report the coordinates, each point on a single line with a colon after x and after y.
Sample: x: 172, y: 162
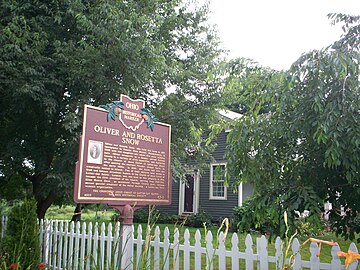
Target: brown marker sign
x: 124, y: 156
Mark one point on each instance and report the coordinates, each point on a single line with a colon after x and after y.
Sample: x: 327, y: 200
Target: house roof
x: 229, y: 114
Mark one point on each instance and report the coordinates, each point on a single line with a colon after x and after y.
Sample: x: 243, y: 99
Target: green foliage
x: 14, y: 187
x: 56, y: 56
x: 21, y: 244
x: 252, y: 83
x: 199, y: 220
x: 305, y: 148
x: 142, y: 216
x: 306, y: 228
x: 4, y: 207
x: 265, y: 213
x: 238, y: 215
x: 189, y: 120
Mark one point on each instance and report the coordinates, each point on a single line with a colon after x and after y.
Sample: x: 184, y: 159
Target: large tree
x: 56, y: 56
x: 305, y: 149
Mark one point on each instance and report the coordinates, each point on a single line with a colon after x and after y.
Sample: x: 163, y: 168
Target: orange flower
x: 314, y: 240
x: 14, y: 266
x: 350, y: 256
x: 41, y: 266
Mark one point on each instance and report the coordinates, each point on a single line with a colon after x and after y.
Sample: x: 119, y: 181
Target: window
x: 217, y: 178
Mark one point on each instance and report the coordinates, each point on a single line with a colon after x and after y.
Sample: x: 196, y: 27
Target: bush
x: 21, y: 244
x: 4, y: 207
x: 305, y: 227
x: 198, y: 220
x: 142, y: 215
x: 239, y: 213
x: 241, y: 222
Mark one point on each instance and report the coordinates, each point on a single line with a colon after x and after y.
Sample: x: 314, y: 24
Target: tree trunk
x: 44, y: 204
x: 77, y: 213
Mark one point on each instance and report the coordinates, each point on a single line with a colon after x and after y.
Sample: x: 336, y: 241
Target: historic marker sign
x: 124, y: 156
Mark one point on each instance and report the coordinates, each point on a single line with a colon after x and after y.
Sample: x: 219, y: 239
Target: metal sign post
x: 126, y: 235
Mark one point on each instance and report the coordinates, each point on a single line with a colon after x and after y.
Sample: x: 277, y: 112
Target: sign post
x: 124, y: 161
x: 126, y: 233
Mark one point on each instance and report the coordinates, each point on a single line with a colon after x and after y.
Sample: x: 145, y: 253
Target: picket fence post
x: 354, y: 265
x: 335, y: 262
x: 95, y: 245
x: 66, y: 241
x: 139, y: 245
x: 209, y: 251
x: 249, y: 253
x: 235, y: 251
x: 50, y: 241
x: 82, y: 245
x: 157, y: 249
x: 221, y: 251
x: 295, y: 247
x: 166, y: 251
x: 4, y: 220
x: 176, y: 250
x: 197, y: 250
x: 148, y: 257
x: 116, y: 246
x: 262, y: 250
x: 108, y: 247
x: 187, y: 250
x: 60, y: 245
x: 102, y: 246
x: 279, y: 255
x: 41, y: 235
x: 88, y: 246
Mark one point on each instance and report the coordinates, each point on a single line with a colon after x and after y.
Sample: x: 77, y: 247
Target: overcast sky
x: 276, y: 32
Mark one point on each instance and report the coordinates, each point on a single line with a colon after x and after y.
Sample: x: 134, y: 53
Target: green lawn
x: 97, y: 213
x: 101, y: 215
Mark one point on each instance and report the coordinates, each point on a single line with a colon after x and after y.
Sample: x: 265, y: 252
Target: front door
x: 189, y: 194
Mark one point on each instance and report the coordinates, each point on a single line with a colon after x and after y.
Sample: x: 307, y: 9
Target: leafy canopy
x: 304, y: 149
x: 56, y: 56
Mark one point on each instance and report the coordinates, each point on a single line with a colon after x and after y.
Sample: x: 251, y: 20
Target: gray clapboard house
x: 207, y: 192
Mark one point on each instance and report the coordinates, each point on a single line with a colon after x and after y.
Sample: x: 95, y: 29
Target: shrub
x: 21, y: 244
x: 142, y: 215
x: 242, y: 223
x: 198, y: 220
x: 239, y: 213
x: 306, y: 227
x: 4, y: 207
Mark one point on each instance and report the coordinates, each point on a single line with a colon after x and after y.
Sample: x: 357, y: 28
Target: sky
x: 276, y: 32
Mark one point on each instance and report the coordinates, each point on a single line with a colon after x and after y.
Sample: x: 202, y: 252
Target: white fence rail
x: 69, y: 245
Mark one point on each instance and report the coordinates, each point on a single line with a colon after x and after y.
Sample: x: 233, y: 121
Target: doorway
x: 188, y: 194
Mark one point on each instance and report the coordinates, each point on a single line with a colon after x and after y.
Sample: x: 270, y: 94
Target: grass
x: 96, y: 213
x: 101, y: 214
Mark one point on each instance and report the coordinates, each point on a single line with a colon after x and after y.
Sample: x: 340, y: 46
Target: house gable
x: 204, y: 199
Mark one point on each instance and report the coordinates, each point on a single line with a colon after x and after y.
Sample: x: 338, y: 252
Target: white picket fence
x: 66, y: 245
x: 4, y: 220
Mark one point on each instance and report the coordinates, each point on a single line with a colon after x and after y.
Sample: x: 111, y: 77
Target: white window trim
x: 211, y: 196
x: 240, y: 194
